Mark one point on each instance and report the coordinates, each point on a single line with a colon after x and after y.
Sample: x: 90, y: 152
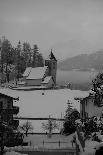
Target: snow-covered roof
x: 7, y: 93
x: 27, y: 71
x: 82, y: 96
x: 37, y: 73
x: 47, y: 79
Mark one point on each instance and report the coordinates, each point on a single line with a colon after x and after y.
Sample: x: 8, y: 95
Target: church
x: 42, y: 77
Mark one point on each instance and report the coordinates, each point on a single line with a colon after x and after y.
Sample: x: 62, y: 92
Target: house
x: 88, y: 106
x: 7, y: 109
x: 44, y: 77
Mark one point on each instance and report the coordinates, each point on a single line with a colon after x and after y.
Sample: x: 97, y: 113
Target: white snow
x: 13, y: 153
x: 53, y: 103
x: 37, y: 73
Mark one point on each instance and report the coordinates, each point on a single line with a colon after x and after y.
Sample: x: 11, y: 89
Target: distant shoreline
x: 81, y: 70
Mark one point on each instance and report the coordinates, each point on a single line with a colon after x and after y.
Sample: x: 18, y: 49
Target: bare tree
x: 26, y: 127
x: 50, y: 126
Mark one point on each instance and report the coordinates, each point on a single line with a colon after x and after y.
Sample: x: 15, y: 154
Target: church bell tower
x: 51, y: 62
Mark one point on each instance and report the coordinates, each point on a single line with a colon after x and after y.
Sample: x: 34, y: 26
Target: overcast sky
x: 69, y: 27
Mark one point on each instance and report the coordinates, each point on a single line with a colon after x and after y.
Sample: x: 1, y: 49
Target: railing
x: 38, y: 118
x: 55, y: 142
x: 14, y: 110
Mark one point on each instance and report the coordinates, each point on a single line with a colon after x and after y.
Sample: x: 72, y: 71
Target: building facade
x: 8, y: 110
x: 88, y: 108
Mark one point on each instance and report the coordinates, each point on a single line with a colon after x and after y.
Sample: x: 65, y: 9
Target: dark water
x: 76, y: 78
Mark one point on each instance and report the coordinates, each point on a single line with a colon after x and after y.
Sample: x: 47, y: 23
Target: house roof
x: 47, y: 79
x: 82, y: 96
x: 27, y: 71
x: 7, y: 93
x: 37, y: 73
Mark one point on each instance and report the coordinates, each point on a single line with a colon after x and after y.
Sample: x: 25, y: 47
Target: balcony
x: 15, y: 110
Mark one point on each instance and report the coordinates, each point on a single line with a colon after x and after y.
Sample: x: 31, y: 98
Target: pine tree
x: 70, y: 117
x: 35, y: 56
x: 40, y: 60
x: 26, y: 54
x: 6, y: 57
x: 18, y: 60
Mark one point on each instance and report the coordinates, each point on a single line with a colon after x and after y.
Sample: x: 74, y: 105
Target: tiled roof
x: 37, y: 73
x: 47, y: 79
x: 27, y: 71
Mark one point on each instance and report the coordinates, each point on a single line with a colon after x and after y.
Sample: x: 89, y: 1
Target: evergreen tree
x: 26, y: 54
x: 70, y: 117
x: 20, y: 61
x: 35, y: 56
x: 97, y: 82
x: 14, y: 60
x: 40, y: 60
x: 6, y: 57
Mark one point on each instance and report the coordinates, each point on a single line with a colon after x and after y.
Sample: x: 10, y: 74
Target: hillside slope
x: 83, y: 62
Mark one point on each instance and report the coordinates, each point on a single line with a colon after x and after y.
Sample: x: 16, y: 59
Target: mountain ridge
x: 83, y: 62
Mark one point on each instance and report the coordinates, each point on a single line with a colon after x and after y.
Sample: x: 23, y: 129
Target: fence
x: 55, y: 142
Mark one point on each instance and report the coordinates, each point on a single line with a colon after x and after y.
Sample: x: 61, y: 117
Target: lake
x: 75, y: 77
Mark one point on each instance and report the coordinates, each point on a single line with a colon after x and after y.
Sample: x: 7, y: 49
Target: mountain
x: 83, y: 62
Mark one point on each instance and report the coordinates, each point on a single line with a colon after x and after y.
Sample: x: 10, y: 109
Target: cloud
x: 54, y: 23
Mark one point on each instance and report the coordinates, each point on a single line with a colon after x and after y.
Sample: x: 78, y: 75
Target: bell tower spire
x: 51, y: 62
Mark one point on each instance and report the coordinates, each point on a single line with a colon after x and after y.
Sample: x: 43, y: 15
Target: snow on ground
x: 90, y: 147
x: 52, y: 143
x: 13, y: 153
x: 53, y: 103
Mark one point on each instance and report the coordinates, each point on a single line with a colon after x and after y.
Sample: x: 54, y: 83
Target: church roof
x: 37, y: 73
